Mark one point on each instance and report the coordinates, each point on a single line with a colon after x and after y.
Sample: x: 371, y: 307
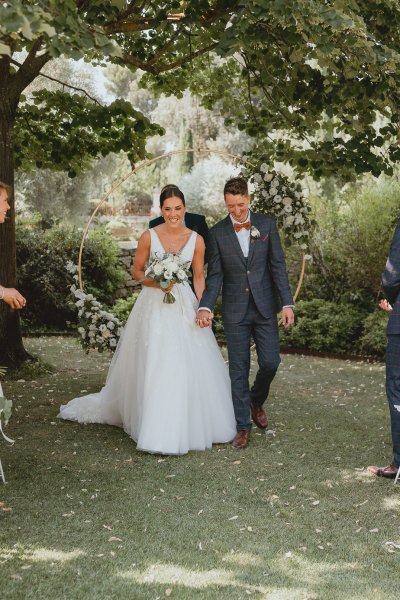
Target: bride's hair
x: 169, y: 191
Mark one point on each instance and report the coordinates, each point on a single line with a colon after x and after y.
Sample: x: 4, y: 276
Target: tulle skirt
x: 167, y: 385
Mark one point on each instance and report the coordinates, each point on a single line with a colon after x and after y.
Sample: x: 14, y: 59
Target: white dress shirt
x: 243, y: 235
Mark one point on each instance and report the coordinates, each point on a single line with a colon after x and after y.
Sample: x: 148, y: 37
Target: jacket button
x: 246, y: 290
x: 248, y: 272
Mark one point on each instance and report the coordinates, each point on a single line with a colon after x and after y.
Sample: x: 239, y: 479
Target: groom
x: 246, y: 259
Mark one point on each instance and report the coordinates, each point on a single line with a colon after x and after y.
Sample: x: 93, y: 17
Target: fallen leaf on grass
x: 392, y: 547
x: 114, y: 539
x: 168, y: 592
x: 233, y: 518
x: 375, y: 530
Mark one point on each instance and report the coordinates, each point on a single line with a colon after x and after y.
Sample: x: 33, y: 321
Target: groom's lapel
x: 233, y: 238
x: 252, y: 244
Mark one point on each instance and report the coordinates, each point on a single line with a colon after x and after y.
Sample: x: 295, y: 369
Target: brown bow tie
x: 239, y: 226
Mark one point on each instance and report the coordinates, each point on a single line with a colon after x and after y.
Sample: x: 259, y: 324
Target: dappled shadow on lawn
x: 295, y: 515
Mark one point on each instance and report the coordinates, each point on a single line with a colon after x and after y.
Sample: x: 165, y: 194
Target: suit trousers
x: 264, y: 331
x: 393, y: 391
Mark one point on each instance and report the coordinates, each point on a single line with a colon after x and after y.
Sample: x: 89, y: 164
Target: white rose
x: 277, y: 199
x: 268, y: 177
x: 264, y: 193
x: 173, y: 266
x: 79, y: 303
x: 181, y: 274
x: 110, y: 325
x: 289, y: 221
x: 299, y: 220
x: 287, y: 200
x: 288, y: 208
x: 113, y: 343
x: 263, y: 168
x: 81, y: 330
x: 157, y: 269
x: 167, y: 275
x: 102, y: 327
x: 257, y: 178
x: 106, y: 333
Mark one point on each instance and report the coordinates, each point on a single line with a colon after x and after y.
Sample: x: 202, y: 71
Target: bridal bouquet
x: 168, y: 269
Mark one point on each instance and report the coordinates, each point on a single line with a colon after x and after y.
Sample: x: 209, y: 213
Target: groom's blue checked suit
x: 253, y: 291
x: 391, y: 286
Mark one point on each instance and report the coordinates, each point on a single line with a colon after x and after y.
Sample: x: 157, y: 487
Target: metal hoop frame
x: 146, y: 163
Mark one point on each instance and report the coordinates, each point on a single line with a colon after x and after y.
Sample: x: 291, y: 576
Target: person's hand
x: 385, y: 305
x: 287, y: 318
x: 12, y: 297
x: 204, y: 318
x: 169, y: 288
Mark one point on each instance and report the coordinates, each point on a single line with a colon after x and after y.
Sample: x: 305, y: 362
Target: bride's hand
x: 169, y: 288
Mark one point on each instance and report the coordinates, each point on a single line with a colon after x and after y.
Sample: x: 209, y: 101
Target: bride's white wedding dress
x: 167, y: 385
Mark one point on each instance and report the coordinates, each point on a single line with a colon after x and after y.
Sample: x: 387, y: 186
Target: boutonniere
x: 254, y: 233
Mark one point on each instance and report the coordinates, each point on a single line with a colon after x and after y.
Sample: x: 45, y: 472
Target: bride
x: 167, y: 385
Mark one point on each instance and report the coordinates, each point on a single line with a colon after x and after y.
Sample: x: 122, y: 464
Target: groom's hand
x: 287, y: 318
x: 204, y: 318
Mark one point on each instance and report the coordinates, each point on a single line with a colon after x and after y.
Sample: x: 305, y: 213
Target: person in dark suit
x: 246, y: 259
x: 193, y: 221
x: 391, y: 287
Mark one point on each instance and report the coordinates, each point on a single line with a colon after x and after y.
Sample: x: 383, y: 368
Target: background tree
x: 64, y: 130
x: 286, y: 72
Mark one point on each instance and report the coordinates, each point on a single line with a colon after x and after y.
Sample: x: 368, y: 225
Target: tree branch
x: 68, y: 85
x: 149, y: 67
x: 31, y: 66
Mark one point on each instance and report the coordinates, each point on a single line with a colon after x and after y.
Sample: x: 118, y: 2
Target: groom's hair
x: 170, y: 191
x: 236, y: 186
x: 6, y: 187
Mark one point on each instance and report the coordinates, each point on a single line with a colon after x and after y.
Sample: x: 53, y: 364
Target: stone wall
x: 127, y: 256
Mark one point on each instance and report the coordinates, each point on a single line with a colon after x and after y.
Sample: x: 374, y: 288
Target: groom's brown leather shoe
x: 241, y: 439
x: 390, y: 471
x: 259, y: 416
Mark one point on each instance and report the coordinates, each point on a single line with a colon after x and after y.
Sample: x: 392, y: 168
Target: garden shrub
x: 42, y: 256
x: 373, y: 338
x: 324, y: 327
x: 123, y: 306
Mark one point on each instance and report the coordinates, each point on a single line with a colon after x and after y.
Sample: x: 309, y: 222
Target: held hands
x: 204, y: 318
x: 12, y: 297
x: 287, y: 318
x: 385, y: 305
x: 168, y: 289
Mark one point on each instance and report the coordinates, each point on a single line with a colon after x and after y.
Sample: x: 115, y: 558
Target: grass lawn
x: 295, y: 515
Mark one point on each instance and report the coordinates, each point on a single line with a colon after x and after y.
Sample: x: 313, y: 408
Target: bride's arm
x: 199, y: 281
x: 141, y: 257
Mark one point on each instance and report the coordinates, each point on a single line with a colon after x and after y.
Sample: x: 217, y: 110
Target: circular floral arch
x: 259, y: 176
x: 274, y: 194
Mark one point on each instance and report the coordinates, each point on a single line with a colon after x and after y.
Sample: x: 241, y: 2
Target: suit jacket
x: 391, y: 282
x: 263, y: 273
x: 192, y: 221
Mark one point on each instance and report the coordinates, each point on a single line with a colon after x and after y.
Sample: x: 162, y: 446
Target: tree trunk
x: 12, y: 351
